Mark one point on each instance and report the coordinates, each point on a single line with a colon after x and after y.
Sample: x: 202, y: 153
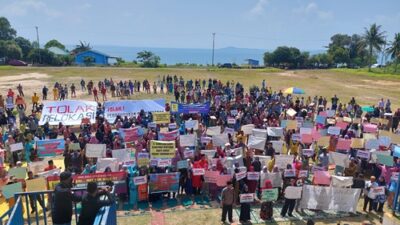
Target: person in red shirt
x: 95, y: 94
x: 50, y: 166
x: 103, y: 93
x: 10, y: 93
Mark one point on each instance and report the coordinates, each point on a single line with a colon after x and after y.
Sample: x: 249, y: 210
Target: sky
x: 260, y: 24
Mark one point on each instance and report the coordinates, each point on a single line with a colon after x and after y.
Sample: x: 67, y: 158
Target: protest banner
x: 129, y: 134
x: 123, y: 155
x: 95, y: 150
x: 292, y: 192
x: 231, y: 120
x: 50, y: 147
x: 18, y: 172
x: 188, y: 154
x: 187, y: 140
x: 118, y: 178
x: 343, y: 125
x: 130, y: 108
x: 269, y: 195
x: 38, y: 166
x: 274, y: 131
x: 385, y: 159
x: 275, y: 178
x: 37, y: 184
x: 363, y: 154
x: 283, y: 123
x: 339, y: 159
x: 322, y: 177
x: 303, y: 173
x: 278, y: 146
x: 49, y: 173
x: 143, y: 159
x: 323, y: 141
x: 343, y: 144
x: 16, y: 147
x: 190, y: 108
x: 168, y: 136
x: 339, y: 181
x: 164, y: 182
x: 371, y: 144
x: 289, y: 173
x: 211, y: 131
x: 370, y: 128
x: 140, y: 180
x: 161, y: 117
x: 192, y: 124
x: 103, y: 163
x: 198, y: 171
x: 334, y: 130
x: 220, y: 139
x: 253, y: 175
x: 307, y: 152
x: 163, y: 163
x: 9, y: 190
x: 384, y: 141
x: 162, y: 149
x: 330, y: 198
x: 240, y: 175
x: 281, y: 161
x: 248, y: 129
x: 357, y: 143
x: 68, y: 112
x: 256, y: 142
x: 246, y: 198
x: 262, y: 133
x: 182, y: 164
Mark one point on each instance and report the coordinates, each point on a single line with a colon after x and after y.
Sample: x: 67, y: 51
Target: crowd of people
x: 231, y: 108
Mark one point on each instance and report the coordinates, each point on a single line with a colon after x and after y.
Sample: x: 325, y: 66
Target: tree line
x: 353, y: 51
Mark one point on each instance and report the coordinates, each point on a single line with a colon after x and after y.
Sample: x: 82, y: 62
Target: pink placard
x: 322, y: 177
x: 343, y: 144
x: 341, y: 124
x: 315, y: 135
x: 370, y: 128
x: 306, y: 138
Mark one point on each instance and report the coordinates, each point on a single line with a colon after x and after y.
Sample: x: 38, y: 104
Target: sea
x: 172, y: 56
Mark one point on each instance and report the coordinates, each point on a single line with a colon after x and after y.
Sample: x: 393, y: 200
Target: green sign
x: 270, y: 195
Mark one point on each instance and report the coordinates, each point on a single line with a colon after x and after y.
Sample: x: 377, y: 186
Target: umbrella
x: 367, y: 109
x: 294, y: 90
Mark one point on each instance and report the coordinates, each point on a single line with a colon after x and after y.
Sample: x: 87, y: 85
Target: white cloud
x: 86, y: 5
x: 259, y: 7
x: 24, y: 7
x: 313, y: 9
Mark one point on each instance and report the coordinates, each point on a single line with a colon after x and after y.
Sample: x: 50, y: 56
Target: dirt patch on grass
x: 31, y: 82
x: 382, y: 82
x: 289, y: 74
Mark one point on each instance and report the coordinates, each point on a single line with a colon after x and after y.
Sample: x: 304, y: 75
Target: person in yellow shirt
x: 35, y: 101
x: 55, y: 93
x: 294, y: 147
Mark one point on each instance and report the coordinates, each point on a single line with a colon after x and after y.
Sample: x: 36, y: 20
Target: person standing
x: 45, y: 90
x: 289, y: 203
x: 227, y: 202
x: 91, y: 203
x: 369, y: 195
x: 32, y: 198
x: 63, y: 197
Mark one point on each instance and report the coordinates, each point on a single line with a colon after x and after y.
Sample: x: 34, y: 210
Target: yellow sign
x: 162, y: 149
x: 324, y: 141
x: 357, y: 143
x: 38, y: 184
x: 161, y: 117
x: 174, y: 107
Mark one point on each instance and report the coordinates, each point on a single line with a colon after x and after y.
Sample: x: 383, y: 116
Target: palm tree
x: 394, y: 50
x: 374, y: 39
x: 82, y: 47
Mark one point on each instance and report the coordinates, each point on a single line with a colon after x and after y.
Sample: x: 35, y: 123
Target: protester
x: 227, y: 202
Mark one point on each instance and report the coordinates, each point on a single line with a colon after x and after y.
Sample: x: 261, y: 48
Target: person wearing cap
x: 63, y: 197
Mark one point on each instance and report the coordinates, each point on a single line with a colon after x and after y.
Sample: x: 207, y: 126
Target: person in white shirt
x: 369, y: 194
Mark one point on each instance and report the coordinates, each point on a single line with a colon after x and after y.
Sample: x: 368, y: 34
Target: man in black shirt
x: 63, y: 197
x: 270, y: 151
x: 91, y: 203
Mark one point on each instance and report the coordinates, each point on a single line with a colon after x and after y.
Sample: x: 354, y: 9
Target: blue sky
x: 262, y: 24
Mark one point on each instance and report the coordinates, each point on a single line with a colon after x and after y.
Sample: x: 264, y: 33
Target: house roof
x: 97, y: 52
x: 58, y: 51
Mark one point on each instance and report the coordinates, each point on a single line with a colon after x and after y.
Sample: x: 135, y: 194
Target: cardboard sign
x: 220, y: 140
x: 211, y: 176
x: 37, y: 184
x: 248, y: 129
x: 182, y: 164
x: 323, y: 141
x: 50, y: 147
x: 385, y: 159
x: 246, y: 198
x: 209, y: 153
x: 16, y: 147
x: 370, y: 128
x: 231, y: 120
x: 304, y: 130
x: 363, y: 154
x: 339, y: 159
x: 306, y: 138
x: 103, y: 163
x: 95, y: 150
x: 322, y: 177
x: 308, y: 152
x: 140, y: 180
x: 339, y: 181
x: 188, y: 140
x: 37, y: 167
x: 291, y: 125
x: 211, y: 131
x: 122, y: 155
x: 278, y: 146
x: 253, y: 175
x: 188, y: 154
x: 50, y: 173
x: 18, y: 172
x: 275, y: 131
x: 275, y: 178
x: 293, y: 192
x: 296, y: 137
x: 162, y: 149
x: 161, y: 117
x: 343, y: 144
x: 303, y: 173
x: 223, y: 179
x: 384, y: 141
x: 291, y: 112
x: 240, y: 175
x: 289, y: 173
x: 256, y: 142
x: 192, y: 124
x: 334, y: 130
x: 163, y: 162
x: 396, y: 151
x: 378, y: 190
x: 372, y: 144
x: 357, y: 143
x: 143, y: 159
x: 10, y: 189
x: 228, y: 130
x: 269, y: 195
x: 198, y: 171
x: 281, y: 161
x: 172, y: 126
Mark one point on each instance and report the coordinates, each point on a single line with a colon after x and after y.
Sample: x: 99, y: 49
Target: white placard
x: 16, y: 147
x: 68, y: 112
x: 198, y: 171
x: 140, y: 180
x: 220, y: 139
x: 293, y: 192
x: 246, y: 198
x: 192, y: 124
x: 334, y: 130
x: 275, y: 131
x: 95, y: 150
x: 256, y: 142
x: 281, y: 161
x: 253, y: 175
x: 339, y: 159
x: 262, y: 133
x: 211, y: 131
x: 248, y: 129
x: 187, y: 140
x: 240, y: 175
x: 103, y: 163
x: 339, y: 181
x: 122, y: 155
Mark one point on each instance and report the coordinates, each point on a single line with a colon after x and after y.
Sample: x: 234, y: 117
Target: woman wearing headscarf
x: 379, y: 201
x: 251, y: 184
x: 244, y: 216
x: 266, y: 210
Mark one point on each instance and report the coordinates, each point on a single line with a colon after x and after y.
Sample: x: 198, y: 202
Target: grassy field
x: 366, y: 87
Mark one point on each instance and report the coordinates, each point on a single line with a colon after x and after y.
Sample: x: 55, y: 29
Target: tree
x: 44, y: 56
x: 6, y: 31
x: 25, y: 45
x: 54, y: 43
x: 394, y: 50
x: 148, y: 59
x: 10, y: 50
x: 268, y: 59
x: 374, y: 39
x: 82, y: 47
